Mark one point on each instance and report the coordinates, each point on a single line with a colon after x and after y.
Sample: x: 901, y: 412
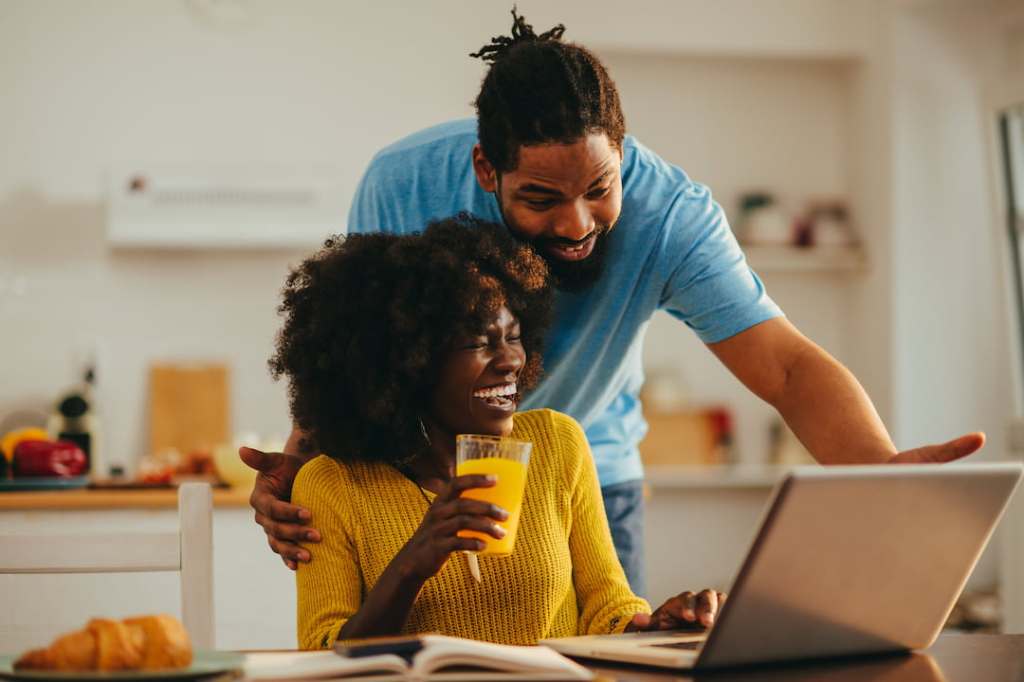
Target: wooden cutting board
x: 189, y: 406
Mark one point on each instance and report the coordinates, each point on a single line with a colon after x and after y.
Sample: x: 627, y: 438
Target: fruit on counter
x: 49, y: 458
x: 12, y: 438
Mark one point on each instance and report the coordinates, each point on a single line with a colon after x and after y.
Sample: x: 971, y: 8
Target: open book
x: 440, y: 659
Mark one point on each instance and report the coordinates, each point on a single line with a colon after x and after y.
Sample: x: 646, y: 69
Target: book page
x: 316, y: 665
x: 441, y: 652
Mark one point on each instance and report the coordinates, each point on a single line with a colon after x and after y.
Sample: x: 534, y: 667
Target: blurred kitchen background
x: 164, y: 162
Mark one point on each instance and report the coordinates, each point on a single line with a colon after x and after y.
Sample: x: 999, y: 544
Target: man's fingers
x: 286, y: 512
x: 707, y: 607
x: 256, y: 459
x: 964, y: 445
x: 288, y: 532
x: 946, y: 452
x: 288, y: 550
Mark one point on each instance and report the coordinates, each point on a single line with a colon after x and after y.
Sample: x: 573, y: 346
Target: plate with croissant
x: 143, y: 647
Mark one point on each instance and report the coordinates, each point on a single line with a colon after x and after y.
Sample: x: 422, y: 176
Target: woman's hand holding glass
x: 437, y: 536
x: 687, y: 610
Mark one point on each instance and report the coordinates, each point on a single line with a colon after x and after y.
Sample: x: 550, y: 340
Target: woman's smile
x: 502, y: 397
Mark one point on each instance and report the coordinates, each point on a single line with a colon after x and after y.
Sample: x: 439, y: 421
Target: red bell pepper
x: 49, y: 458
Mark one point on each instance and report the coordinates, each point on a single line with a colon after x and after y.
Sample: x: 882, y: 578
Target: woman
x: 393, y: 346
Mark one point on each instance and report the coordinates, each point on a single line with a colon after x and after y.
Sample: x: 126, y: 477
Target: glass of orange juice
x: 506, y: 459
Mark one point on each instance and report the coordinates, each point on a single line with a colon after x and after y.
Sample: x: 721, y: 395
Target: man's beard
x: 575, y: 276
x: 570, y: 276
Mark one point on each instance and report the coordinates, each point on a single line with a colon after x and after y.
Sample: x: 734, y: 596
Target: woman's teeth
x: 497, y: 396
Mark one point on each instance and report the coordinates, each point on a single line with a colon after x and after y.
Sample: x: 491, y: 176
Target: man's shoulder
x: 645, y: 174
x: 457, y: 134
x: 659, y: 196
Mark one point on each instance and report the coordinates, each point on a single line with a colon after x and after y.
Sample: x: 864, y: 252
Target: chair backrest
x: 189, y: 551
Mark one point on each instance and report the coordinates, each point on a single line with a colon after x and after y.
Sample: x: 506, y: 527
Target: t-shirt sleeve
x: 605, y: 601
x: 329, y: 588
x: 710, y: 287
x: 702, y: 275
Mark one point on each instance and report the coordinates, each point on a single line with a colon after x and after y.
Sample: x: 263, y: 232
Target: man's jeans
x: 624, y: 505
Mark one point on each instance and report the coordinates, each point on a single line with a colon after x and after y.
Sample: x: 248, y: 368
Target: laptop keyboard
x: 680, y: 645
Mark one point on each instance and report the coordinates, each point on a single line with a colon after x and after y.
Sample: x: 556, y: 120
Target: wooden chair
x: 188, y: 551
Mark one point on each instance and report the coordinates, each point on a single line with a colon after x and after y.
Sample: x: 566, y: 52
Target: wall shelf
x: 822, y: 259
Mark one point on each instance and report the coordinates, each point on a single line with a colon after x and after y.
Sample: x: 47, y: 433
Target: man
x: 625, y: 234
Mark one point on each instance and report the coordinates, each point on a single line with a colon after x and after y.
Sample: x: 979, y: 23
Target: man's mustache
x: 561, y: 241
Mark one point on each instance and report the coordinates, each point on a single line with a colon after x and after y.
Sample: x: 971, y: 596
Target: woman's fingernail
x: 303, y: 556
x: 501, y: 512
x: 313, y: 536
x: 491, y: 478
x: 501, y: 531
x: 305, y: 515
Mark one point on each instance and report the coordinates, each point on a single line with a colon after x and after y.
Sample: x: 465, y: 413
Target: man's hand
x: 946, y: 452
x: 284, y: 523
x: 684, y: 611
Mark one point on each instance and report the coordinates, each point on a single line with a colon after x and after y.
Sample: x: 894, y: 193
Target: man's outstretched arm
x: 821, y: 400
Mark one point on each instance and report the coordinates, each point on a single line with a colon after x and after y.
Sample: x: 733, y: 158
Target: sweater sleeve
x: 605, y: 602
x: 329, y: 588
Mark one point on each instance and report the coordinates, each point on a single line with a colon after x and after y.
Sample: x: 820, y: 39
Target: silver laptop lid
x: 858, y: 559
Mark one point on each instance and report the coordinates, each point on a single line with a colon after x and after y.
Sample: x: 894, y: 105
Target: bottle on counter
x: 74, y: 419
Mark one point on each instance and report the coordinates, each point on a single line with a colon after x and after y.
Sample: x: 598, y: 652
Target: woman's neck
x: 435, y: 464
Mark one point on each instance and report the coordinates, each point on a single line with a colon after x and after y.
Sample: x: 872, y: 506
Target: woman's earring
x: 423, y: 430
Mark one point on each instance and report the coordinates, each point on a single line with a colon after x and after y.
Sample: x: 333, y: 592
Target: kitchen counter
x: 85, y: 498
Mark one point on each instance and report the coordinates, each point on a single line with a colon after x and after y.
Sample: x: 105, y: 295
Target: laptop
x: 848, y: 560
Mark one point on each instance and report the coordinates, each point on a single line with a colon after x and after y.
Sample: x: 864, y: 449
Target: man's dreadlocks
x: 540, y: 90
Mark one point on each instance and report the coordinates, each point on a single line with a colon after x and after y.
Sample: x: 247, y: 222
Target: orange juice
x: 507, y: 493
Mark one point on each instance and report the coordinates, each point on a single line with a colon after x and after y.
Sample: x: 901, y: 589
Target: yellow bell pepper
x: 12, y: 438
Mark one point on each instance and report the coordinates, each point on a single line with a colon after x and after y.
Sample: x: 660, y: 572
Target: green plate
x: 204, y: 664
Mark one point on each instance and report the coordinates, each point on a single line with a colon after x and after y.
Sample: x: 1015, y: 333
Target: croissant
x: 140, y: 643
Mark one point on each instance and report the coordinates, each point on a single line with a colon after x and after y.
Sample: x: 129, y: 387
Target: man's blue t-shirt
x: 671, y: 249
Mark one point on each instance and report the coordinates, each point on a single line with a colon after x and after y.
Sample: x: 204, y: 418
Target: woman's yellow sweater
x: 562, y: 579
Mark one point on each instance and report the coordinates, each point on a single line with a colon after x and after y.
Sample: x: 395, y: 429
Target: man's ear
x: 486, y: 176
